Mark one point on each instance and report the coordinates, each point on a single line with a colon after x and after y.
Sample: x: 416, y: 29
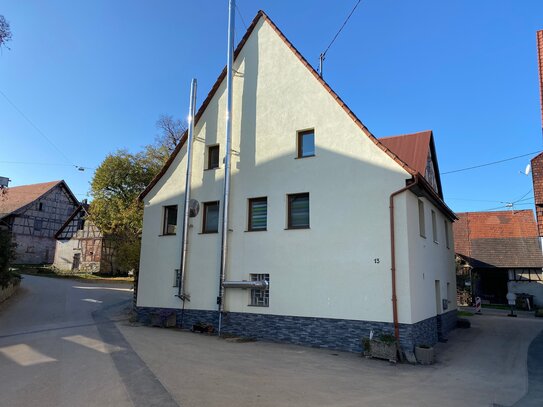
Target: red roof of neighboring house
x: 506, y: 239
x: 15, y: 198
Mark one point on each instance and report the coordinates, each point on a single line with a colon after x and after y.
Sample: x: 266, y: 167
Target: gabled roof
x: 83, y: 207
x: 505, y: 239
x: 413, y: 149
x: 13, y: 199
x: 262, y: 15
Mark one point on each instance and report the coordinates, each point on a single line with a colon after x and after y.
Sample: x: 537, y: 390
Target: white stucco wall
x: 328, y: 270
x: 429, y: 261
x: 64, y: 253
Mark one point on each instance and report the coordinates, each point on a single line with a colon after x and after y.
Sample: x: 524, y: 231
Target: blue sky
x: 95, y: 76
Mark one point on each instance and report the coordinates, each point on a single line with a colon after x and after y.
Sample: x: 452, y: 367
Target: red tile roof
x: 411, y: 148
x: 14, y: 198
x: 506, y: 239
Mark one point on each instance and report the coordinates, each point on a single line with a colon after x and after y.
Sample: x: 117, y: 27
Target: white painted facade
x: 340, y: 266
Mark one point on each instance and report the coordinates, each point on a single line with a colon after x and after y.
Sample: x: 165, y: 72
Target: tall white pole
x: 185, y: 235
x: 228, y: 147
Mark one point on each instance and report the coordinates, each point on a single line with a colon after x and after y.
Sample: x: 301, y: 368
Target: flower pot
x: 383, y: 350
x: 425, y: 355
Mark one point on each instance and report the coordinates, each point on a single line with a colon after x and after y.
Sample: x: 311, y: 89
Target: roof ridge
x: 261, y: 14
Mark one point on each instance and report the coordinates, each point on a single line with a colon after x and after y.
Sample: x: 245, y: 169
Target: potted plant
x: 383, y: 347
x: 425, y: 354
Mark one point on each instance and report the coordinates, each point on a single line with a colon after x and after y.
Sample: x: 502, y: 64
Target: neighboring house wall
x: 34, y: 229
x: 79, y: 246
x: 339, y: 268
x: 527, y: 282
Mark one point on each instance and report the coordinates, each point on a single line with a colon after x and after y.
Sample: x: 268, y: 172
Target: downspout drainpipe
x: 226, y: 196
x: 393, y: 258
x: 186, y: 211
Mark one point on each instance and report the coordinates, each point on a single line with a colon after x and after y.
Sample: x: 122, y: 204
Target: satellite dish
x: 194, y: 208
x: 528, y: 169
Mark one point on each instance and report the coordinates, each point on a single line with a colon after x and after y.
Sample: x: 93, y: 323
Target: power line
x: 80, y: 168
x: 240, y: 16
x: 323, y: 54
x: 491, y: 163
x: 52, y: 164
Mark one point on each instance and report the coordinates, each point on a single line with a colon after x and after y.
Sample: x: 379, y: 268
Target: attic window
x: 306, y: 143
x: 40, y: 206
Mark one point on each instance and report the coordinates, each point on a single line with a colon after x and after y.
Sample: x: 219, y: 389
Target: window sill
x: 436, y: 242
x: 258, y: 306
x: 212, y: 169
x: 208, y: 233
x: 305, y: 156
x: 298, y: 228
x: 424, y: 237
x: 168, y: 234
x: 256, y: 230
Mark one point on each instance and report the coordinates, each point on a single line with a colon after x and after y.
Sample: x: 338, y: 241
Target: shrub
x: 7, y: 253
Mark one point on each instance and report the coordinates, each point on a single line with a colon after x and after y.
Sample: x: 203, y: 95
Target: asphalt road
x: 59, y: 346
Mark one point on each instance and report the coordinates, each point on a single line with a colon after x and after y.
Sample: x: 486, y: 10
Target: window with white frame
x: 260, y: 297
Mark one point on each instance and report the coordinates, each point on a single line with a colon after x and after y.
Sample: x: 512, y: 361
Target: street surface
x: 66, y: 343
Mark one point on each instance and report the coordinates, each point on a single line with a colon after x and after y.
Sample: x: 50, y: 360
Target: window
x: 434, y: 226
x: 258, y: 214
x: 213, y: 157
x: 211, y: 217
x: 40, y: 206
x: 170, y: 220
x: 38, y: 223
x: 306, y: 143
x: 446, y: 233
x: 422, y: 226
x: 259, y: 297
x: 298, y: 211
x: 81, y: 224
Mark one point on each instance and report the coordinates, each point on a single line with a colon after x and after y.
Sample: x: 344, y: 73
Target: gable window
x: 260, y: 297
x: 81, y: 224
x: 211, y: 217
x: 258, y: 214
x: 306, y: 143
x: 170, y: 220
x: 446, y: 233
x: 213, y: 157
x: 40, y: 206
x: 434, y: 226
x: 298, y: 211
x: 422, y: 225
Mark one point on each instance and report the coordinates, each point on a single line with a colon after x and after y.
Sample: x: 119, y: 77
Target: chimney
x: 4, y: 182
x: 537, y: 162
x: 540, y: 66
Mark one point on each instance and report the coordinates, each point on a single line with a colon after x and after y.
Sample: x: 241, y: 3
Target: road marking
x: 93, y: 344
x: 103, y: 288
x: 24, y: 355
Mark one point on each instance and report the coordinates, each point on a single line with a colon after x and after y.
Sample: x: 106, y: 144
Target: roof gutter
x: 393, y: 256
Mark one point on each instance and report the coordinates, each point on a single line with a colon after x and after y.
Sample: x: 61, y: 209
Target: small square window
x: 259, y: 297
x: 213, y: 157
x: 306, y: 143
x: 211, y: 217
x: 258, y: 214
x: 298, y: 211
x: 170, y: 220
x: 422, y: 225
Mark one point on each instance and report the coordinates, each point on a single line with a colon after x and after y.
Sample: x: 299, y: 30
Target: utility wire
x: 341, y: 28
x: 240, y: 16
x: 491, y: 163
x: 52, y: 164
x: 80, y: 168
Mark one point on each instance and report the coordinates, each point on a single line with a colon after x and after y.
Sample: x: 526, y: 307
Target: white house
x: 309, y: 212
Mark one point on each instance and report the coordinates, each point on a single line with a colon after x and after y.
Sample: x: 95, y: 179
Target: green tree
x: 115, y: 208
x: 116, y: 185
x: 7, y: 253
